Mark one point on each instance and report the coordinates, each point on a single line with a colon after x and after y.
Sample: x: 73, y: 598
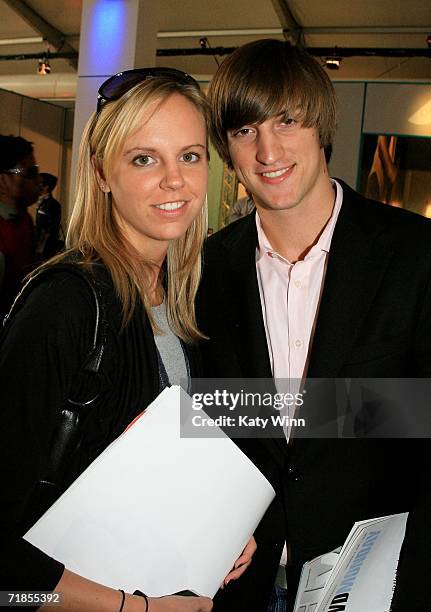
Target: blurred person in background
x: 19, y: 189
x: 48, y: 220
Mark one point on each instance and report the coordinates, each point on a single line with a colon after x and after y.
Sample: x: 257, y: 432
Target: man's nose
x: 269, y: 147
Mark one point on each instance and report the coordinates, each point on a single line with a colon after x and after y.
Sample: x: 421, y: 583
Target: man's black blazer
x: 374, y: 320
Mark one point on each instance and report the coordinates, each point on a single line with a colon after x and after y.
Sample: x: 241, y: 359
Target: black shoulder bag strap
x: 84, y: 392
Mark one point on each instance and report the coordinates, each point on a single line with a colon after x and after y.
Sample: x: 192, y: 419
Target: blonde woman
x: 137, y: 228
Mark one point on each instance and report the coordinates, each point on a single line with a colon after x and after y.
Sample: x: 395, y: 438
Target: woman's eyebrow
x: 153, y: 150
x: 147, y: 149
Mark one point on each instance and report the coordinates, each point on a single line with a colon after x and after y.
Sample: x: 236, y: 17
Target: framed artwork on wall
x: 397, y: 170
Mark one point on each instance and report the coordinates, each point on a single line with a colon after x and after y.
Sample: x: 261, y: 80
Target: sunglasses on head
x: 29, y: 173
x: 117, y: 85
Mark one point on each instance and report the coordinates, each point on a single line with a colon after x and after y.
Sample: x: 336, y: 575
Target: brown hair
x: 93, y: 230
x: 267, y: 78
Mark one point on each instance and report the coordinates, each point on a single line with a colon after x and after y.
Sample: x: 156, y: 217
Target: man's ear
x: 100, y: 177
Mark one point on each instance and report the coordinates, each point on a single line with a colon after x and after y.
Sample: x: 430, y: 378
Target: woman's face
x: 159, y: 181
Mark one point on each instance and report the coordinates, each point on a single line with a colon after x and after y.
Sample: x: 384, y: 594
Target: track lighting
x: 333, y: 62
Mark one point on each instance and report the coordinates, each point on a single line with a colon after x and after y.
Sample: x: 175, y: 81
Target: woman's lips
x: 170, y: 206
x: 171, y: 209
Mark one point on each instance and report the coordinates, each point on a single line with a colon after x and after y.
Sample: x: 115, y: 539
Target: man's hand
x: 242, y: 563
x: 175, y: 603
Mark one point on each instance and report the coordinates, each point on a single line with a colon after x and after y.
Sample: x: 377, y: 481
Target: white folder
x: 155, y: 511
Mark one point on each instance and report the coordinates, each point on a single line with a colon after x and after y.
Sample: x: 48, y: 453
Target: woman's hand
x: 242, y: 563
x: 175, y: 603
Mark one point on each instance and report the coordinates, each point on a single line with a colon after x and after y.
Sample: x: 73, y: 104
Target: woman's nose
x: 173, y: 177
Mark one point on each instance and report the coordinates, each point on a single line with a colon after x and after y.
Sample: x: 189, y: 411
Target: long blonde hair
x: 94, y: 232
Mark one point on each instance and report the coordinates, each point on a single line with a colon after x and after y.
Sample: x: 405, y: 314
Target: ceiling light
x: 44, y: 67
x: 333, y: 62
x: 422, y: 116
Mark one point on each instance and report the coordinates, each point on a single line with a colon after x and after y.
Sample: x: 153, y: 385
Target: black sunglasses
x: 29, y: 173
x: 117, y: 85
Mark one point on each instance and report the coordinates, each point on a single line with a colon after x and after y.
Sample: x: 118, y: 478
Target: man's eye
x: 143, y: 160
x: 244, y: 131
x: 190, y: 157
x: 289, y: 121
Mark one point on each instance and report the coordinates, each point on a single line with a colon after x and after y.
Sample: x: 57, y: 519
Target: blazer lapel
x: 357, y: 261
x: 248, y: 326
x: 243, y: 293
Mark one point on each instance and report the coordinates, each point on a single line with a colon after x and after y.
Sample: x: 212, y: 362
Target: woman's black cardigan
x: 40, y: 353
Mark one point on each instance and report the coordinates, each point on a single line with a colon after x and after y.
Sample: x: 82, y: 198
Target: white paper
x: 157, y: 512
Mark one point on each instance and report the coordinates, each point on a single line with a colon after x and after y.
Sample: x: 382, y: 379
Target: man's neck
x: 293, y: 232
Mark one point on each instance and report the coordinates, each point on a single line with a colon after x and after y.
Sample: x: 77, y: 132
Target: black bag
x: 67, y: 437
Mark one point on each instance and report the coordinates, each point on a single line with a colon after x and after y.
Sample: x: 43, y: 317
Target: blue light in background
x: 108, y: 36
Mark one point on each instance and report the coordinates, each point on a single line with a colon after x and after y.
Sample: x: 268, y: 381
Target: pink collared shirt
x: 290, y: 295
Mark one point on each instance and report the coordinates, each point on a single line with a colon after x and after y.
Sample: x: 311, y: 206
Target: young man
x: 19, y: 188
x: 322, y: 283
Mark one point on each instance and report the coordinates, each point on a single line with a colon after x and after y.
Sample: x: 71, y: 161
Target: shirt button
x: 293, y: 473
x: 298, y: 343
x: 298, y: 284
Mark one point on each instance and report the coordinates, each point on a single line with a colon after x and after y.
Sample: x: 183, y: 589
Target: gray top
x: 170, y: 349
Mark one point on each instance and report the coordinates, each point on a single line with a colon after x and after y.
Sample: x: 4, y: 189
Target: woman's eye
x: 190, y: 157
x: 143, y: 160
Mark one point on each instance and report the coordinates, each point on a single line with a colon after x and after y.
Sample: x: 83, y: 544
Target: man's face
x: 280, y: 162
x: 22, y: 190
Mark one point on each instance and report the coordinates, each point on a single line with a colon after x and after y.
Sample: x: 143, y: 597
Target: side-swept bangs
x: 267, y: 78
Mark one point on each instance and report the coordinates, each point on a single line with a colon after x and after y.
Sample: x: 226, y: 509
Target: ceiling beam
x: 49, y: 33
x: 291, y: 28
x: 226, y: 32
x: 316, y: 51
x: 404, y: 29
x: 305, y: 30
x: 69, y: 55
